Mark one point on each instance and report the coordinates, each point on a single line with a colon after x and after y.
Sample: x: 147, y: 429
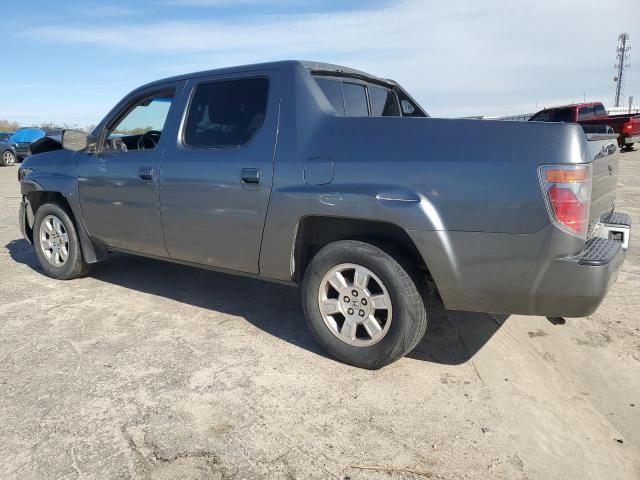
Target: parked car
x: 25, y: 136
x: 627, y: 125
x: 338, y: 181
x: 7, y: 150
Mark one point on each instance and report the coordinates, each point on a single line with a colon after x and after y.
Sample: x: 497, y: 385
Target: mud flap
x: 26, y: 221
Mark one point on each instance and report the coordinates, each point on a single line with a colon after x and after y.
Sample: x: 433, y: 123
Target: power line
x: 622, y: 54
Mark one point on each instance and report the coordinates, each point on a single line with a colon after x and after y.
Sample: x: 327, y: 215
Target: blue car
x: 24, y: 137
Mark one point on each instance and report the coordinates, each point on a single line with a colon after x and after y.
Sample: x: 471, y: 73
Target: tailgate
x: 603, y: 151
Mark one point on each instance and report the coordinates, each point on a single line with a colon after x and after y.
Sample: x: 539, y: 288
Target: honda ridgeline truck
x: 338, y: 181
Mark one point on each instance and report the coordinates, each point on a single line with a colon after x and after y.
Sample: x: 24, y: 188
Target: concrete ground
x: 147, y: 369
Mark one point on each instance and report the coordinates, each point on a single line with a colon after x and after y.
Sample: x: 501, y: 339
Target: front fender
x: 57, y: 179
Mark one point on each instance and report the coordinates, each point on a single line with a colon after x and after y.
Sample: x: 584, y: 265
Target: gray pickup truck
x: 338, y: 181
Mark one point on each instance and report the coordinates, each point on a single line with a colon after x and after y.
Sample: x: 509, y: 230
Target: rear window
x: 562, y: 115
x: 364, y: 99
x: 226, y: 113
x: 383, y: 102
x: 355, y: 100
x: 333, y: 91
x: 543, y: 116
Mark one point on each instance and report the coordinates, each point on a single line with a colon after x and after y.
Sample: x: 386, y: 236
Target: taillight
x: 627, y: 126
x: 567, y: 191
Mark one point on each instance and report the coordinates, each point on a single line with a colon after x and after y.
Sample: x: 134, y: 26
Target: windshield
x: 27, y: 135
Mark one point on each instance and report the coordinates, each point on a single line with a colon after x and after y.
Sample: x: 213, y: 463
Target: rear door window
x: 226, y: 113
x: 355, y: 100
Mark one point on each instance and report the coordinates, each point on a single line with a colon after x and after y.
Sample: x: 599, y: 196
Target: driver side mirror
x: 76, y: 140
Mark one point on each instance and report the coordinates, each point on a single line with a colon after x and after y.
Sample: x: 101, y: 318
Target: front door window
x: 140, y: 128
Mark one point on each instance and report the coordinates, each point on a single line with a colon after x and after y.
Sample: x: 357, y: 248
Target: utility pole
x: 621, y: 56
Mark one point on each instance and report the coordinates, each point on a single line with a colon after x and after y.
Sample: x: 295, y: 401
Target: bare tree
x: 8, y: 126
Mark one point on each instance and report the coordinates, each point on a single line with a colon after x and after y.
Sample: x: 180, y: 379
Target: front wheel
x: 8, y: 158
x: 57, y: 244
x: 365, y: 306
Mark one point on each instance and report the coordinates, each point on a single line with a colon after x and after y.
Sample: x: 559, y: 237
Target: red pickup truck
x: 627, y: 126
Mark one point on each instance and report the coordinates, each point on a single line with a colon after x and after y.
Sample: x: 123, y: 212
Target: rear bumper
x: 575, y: 286
x: 630, y: 140
x: 522, y: 274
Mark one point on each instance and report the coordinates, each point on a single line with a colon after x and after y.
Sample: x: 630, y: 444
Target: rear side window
x: 333, y: 91
x: 585, y: 113
x: 226, y: 113
x: 355, y: 100
x: 383, y: 102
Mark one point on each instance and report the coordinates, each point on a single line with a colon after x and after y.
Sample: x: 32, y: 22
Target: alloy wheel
x: 54, y: 240
x: 355, y: 305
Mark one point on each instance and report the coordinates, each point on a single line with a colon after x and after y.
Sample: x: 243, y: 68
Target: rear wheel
x: 57, y: 244
x: 365, y: 306
x: 8, y: 158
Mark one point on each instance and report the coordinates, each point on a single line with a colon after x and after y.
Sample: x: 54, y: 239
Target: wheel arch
x: 315, y: 231
x: 35, y: 197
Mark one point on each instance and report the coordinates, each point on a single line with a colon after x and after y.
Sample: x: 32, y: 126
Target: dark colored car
x: 7, y: 150
x: 24, y: 137
x: 337, y: 181
x: 592, y: 115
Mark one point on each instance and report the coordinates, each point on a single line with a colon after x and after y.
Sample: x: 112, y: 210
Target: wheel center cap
x: 355, y: 304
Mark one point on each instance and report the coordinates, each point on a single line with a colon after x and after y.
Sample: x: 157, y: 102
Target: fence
x: 621, y: 110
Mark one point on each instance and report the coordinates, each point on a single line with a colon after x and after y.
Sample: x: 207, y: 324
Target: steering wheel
x: 149, y: 139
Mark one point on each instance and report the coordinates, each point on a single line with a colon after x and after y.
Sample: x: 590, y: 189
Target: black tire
x: 74, y: 266
x: 406, y: 288
x: 7, y: 158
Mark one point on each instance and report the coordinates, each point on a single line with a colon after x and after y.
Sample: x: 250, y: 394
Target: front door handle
x: 250, y: 178
x: 146, y: 173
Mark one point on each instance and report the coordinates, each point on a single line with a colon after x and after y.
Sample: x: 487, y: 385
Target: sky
x: 71, y: 63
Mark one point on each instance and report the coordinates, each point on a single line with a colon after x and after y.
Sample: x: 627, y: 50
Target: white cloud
x: 465, y: 57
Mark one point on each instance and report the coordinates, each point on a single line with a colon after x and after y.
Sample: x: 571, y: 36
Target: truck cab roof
x: 312, y: 66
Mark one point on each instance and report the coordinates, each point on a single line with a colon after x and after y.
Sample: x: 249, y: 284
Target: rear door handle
x: 146, y: 173
x: 250, y: 178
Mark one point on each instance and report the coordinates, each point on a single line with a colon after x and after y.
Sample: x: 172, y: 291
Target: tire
x: 54, y: 228
x: 391, y: 279
x: 8, y: 158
